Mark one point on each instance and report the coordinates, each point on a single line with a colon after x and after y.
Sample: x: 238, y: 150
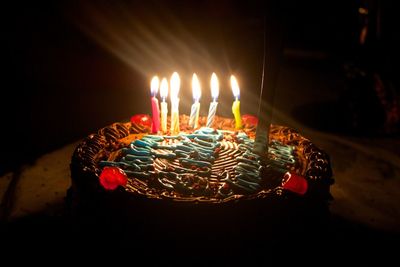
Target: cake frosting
x: 205, y: 165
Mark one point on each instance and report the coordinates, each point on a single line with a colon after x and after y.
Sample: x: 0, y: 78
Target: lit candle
x: 175, y: 84
x: 154, y: 104
x: 213, y: 105
x: 194, y: 114
x: 236, y: 103
x: 164, y: 106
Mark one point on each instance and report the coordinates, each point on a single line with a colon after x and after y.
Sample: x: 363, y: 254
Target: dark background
x: 72, y: 67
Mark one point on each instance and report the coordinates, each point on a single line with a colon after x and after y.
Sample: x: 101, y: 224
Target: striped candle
x: 194, y: 114
x: 164, y: 105
x: 175, y: 84
x: 213, y: 105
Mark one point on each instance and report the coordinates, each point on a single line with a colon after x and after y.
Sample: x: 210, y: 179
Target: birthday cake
x: 125, y: 169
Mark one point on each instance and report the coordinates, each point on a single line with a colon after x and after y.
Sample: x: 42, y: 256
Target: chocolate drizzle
x: 200, y: 167
x: 98, y: 146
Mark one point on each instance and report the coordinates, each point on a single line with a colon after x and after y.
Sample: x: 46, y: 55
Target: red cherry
x: 295, y: 183
x: 142, y: 119
x: 250, y: 120
x: 112, y: 177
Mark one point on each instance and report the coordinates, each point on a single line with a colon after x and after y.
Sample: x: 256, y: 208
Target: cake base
x: 229, y: 233
x: 212, y: 223
x: 150, y: 220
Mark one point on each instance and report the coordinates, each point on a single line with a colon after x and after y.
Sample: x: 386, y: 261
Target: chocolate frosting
x: 232, y: 167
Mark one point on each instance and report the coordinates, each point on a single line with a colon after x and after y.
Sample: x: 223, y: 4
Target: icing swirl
x: 206, y: 165
x: 190, y: 164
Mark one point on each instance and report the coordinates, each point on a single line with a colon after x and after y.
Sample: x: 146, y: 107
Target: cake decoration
x: 204, y: 165
x: 155, y: 108
x: 214, y: 84
x: 236, y: 103
x: 175, y: 84
x: 164, y: 105
x: 295, y: 183
x: 112, y: 177
x: 141, y: 119
x: 194, y: 112
x: 207, y: 162
x: 235, y: 159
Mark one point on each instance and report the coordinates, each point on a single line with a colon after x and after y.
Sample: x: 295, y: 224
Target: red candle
x: 155, y: 109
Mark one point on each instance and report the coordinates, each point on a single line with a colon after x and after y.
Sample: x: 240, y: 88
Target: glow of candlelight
x: 175, y: 85
x: 164, y: 89
x: 235, y: 87
x: 196, y: 90
x: 214, y: 87
x: 154, y: 85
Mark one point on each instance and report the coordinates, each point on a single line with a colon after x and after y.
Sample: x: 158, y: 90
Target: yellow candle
x: 194, y: 114
x: 236, y: 103
x: 164, y: 106
x: 175, y: 84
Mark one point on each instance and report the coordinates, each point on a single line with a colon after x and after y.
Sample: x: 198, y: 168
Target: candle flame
x: 235, y: 87
x: 196, y: 88
x: 155, y: 83
x: 164, y: 88
x: 214, y: 86
x: 175, y: 84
